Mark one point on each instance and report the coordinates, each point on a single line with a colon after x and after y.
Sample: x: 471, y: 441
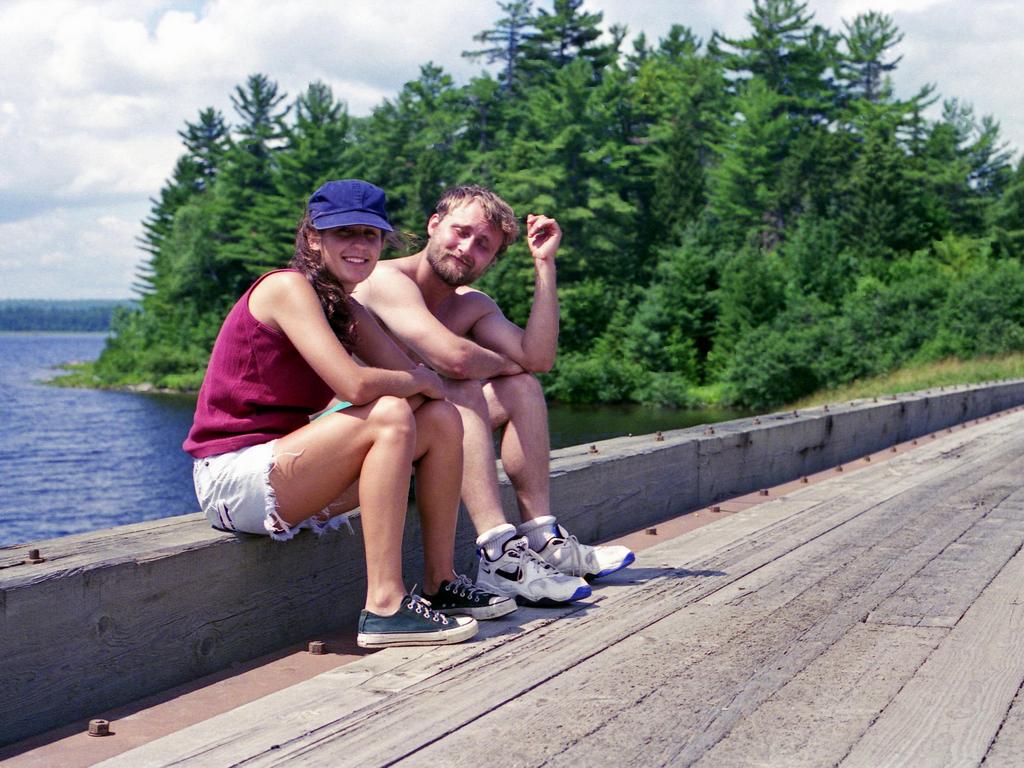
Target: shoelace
x: 421, y: 606
x: 530, y: 556
x: 577, y: 557
x: 464, y: 587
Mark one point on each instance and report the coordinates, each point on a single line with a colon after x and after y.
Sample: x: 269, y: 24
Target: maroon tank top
x: 257, y: 387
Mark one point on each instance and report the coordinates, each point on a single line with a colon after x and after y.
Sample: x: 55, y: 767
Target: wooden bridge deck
x: 873, y: 619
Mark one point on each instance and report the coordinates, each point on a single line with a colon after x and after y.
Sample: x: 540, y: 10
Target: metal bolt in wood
x: 652, y: 531
x: 99, y: 727
x: 33, y: 557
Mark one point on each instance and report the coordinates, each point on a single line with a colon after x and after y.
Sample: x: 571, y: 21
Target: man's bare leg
x: 507, y: 566
x: 518, y: 402
x: 479, y: 475
x: 526, y: 457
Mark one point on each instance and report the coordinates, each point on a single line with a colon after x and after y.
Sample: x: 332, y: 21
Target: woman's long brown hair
x: 333, y: 299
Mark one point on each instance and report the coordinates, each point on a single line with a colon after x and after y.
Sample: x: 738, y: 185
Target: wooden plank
x: 812, y: 720
x: 260, y: 726
x: 982, y: 491
x: 942, y: 592
x: 600, y: 743
x: 1007, y: 751
x: 951, y: 710
x: 737, y: 660
x: 545, y: 722
x: 775, y: 650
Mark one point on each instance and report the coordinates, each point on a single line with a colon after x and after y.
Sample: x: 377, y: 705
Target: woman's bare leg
x: 438, y: 481
x: 375, y: 444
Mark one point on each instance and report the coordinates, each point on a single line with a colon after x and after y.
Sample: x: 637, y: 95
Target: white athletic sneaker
x: 564, y: 552
x: 521, y: 574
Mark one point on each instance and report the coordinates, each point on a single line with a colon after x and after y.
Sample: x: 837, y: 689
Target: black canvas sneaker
x: 464, y: 598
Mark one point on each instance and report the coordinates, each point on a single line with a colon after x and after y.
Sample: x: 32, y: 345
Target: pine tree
x: 563, y: 35
x: 194, y: 173
x: 206, y: 141
x: 248, y: 245
x: 416, y: 145
x: 792, y: 56
x: 680, y: 101
x: 563, y: 161
x: 962, y: 168
x: 506, y: 42
x: 316, y: 151
x: 864, y: 67
x: 156, y: 227
x: 1008, y: 213
x: 877, y: 209
x: 743, y: 187
x: 673, y: 326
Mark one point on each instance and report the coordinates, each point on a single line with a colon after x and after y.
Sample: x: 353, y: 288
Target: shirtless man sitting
x: 426, y: 302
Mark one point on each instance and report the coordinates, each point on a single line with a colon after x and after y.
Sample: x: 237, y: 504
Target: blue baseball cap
x: 347, y: 202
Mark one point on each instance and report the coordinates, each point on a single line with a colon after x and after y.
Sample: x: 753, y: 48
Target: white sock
x: 538, y: 531
x: 492, y: 541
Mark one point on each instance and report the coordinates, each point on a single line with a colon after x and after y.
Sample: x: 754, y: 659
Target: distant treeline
x: 759, y: 216
x: 59, y: 315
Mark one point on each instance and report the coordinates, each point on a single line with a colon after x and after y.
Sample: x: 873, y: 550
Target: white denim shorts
x: 235, y: 493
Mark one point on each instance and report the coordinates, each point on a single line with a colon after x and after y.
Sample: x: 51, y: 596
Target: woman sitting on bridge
x: 286, y: 349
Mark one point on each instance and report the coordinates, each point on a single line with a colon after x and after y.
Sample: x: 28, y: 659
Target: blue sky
x: 94, y: 92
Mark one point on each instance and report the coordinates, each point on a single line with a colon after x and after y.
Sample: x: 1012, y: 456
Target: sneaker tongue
x: 516, y: 542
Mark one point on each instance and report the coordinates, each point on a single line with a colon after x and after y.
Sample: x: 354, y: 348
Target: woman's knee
x: 394, y: 416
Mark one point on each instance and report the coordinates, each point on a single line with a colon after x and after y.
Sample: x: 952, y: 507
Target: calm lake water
x: 75, y: 460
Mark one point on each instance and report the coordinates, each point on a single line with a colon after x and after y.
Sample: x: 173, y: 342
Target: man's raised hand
x: 543, y: 236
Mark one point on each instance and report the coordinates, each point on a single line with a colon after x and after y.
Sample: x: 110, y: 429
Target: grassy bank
x: 83, y: 376
x: 913, y: 378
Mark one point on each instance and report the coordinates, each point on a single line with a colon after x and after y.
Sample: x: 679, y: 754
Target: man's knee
x: 440, y: 418
x: 521, y: 388
x: 466, y: 392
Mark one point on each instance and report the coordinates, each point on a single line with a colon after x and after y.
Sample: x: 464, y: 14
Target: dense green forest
x: 56, y: 315
x: 762, y: 214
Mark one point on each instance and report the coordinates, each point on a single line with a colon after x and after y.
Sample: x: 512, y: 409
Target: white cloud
x: 66, y: 253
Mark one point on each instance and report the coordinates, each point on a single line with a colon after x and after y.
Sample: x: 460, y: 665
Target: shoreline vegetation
x: 910, y: 378
x: 747, y: 221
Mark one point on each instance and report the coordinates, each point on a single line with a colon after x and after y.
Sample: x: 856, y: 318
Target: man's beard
x: 452, y: 271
